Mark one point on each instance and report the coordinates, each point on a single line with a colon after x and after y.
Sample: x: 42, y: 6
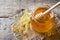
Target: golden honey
x: 44, y: 24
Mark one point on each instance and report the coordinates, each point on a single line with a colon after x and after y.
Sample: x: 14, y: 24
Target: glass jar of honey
x: 44, y: 25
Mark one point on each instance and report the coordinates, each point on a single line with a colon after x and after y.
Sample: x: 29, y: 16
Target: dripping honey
x: 43, y: 24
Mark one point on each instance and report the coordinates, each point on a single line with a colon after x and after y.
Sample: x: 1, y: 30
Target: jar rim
x: 52, y: 14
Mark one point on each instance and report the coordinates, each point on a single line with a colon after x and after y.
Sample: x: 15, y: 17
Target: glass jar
x: 44, y: 25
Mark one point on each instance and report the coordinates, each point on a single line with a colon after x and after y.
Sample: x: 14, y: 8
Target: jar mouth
x: 52, y: 14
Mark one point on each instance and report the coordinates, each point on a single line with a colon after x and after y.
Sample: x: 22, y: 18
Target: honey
x: 43, y: 24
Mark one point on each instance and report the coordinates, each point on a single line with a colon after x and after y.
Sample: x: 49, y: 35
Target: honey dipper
x: 42, y: 14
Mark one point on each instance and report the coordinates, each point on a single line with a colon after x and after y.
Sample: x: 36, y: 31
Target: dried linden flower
x: 25, y: 21
x: 24, y: 24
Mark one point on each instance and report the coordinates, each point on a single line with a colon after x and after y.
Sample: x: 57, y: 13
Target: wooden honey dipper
x: 42, y: 14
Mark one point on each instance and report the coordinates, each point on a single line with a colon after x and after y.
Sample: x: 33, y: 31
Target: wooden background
x: 9, y: 7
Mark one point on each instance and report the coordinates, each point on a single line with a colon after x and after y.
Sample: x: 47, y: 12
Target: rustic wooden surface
x: 9, y: 7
